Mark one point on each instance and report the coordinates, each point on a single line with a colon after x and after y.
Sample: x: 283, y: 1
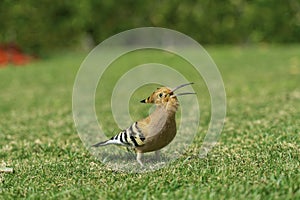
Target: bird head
x: 165, y: 96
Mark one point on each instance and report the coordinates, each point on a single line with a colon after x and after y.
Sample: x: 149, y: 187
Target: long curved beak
x: 184, y: 93
x: 180, y: 86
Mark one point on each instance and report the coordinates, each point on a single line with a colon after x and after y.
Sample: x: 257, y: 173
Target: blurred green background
x: 258, y: 152
x: 42, y: 26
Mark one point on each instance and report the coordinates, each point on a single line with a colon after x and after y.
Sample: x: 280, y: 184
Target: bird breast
x: 161, y: 131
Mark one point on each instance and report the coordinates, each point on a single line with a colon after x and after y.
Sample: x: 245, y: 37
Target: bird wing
x: 132, y: 136
x: 135, y: 135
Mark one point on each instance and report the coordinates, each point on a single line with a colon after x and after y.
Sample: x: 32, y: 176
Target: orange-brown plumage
x: 159, y: 128
x: 155, y: 131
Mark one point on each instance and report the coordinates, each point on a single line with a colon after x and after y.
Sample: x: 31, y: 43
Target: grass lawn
x: 257, y: 157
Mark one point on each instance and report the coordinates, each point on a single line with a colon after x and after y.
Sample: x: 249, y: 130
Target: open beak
x: 184, y: 93
x: 174, y: 89
x: 180, y: 86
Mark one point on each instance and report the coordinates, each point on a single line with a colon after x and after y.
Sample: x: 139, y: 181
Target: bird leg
x: 157, y: 155
x: 139, y: 158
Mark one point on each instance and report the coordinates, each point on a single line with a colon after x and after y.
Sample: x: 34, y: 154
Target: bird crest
x: 155, y: 131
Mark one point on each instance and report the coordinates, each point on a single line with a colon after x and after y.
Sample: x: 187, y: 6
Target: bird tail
x: 114, y: 140
x: 130, y: 137
x: 99, y: 144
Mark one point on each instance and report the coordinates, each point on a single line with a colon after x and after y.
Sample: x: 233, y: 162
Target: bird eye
x: 160, y: 95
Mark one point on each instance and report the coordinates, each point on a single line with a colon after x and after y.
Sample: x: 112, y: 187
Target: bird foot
x: 139, y: 158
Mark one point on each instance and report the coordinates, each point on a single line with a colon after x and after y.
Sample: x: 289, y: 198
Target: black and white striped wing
x: 132, y: 137
x: 135, y: 135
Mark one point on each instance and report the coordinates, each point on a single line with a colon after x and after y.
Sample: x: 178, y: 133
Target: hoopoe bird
x: 155, y: 131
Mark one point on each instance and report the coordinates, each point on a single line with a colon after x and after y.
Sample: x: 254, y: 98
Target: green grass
x: 257, y: 157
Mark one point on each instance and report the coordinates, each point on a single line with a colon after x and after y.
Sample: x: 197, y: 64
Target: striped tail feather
x: 114, y: 140
x: 129, y: 137
x: 104, y: 143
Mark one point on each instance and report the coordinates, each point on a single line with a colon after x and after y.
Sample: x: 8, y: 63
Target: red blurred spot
x: 12, y: 54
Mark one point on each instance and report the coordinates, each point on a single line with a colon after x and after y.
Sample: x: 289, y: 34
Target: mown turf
x: 257, y: 156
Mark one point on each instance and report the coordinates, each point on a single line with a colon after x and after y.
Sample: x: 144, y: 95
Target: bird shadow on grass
x: 125, y: 161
